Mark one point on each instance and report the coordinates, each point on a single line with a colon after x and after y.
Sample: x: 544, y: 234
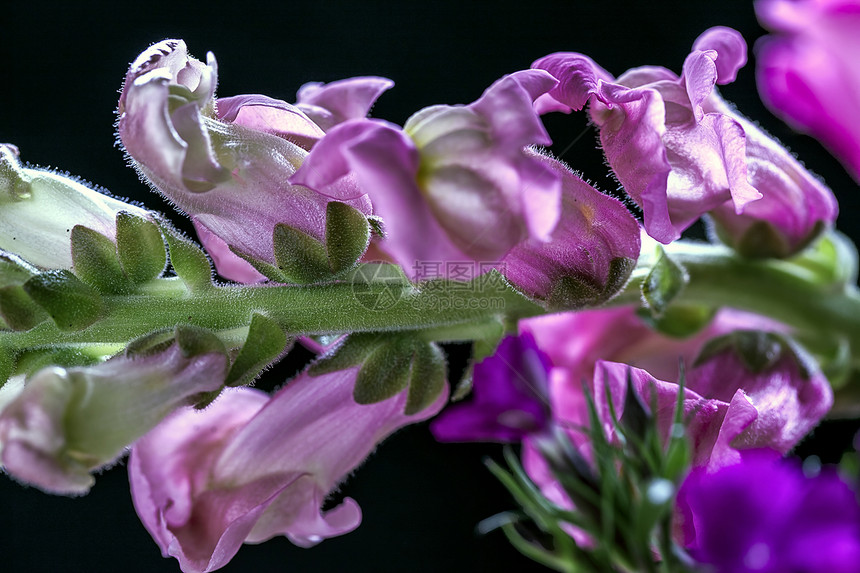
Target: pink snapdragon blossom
x: 730, y: 408
x: 336, y: 102
x: 250, y: 467
x: 589, y: 255
x: 456, y: 183
x: 808, y: 72
x: 66, y: 423
x: 226, y: 163
x: 681, y: 151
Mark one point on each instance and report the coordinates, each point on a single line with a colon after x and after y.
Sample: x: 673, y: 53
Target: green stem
x: 299, y: 310
x: 782, y: 290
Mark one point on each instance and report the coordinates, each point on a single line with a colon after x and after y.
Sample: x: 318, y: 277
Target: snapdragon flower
x: 250, y: 467
x: 456, y: 183
x: 589, y: 255
x: 681, y: 151
x: 226, y: 163
x: 39, y: 209
x: 764, y: 515
x: 68, y: 422
x: 808, y: 73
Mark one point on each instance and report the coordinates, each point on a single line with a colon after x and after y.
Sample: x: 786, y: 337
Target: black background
x: 61, y: 66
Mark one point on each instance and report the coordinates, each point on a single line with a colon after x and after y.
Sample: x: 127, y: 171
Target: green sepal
x: 196, y: 341
x: 7, y: 363
x: 140, y: 247
x: 271, y: 272
x: 487, y: 344
x: 679, y: 320
x: 205, y: 398
x: 376, y: 226
x: 663, y: 284
x: 18, y: 310
x: 353, y: 351
x: 32, y: 361
x: 189, y: 261
x: 757, y: 350
x: 426, y: 377
x: 14, y: 271
x: 265, y: 342
x: 71, y: 303
x: 574, y: 292
x: 95, y: 261
x: 385, y: 373
x: 832, y: 260
x: 347, y: 234
x: 300, y: 258
x: 150, y: 344
x: 464, y: 386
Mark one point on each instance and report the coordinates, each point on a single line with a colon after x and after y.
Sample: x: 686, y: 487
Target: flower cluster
x: 652, y: 384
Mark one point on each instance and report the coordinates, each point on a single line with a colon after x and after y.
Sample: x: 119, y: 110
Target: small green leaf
x: 150, y: 344
x: 464, y: 386
x: 426, y: 377
x: 571, y: 293
x: 351, y: 352
x: 189, y: 261
x: 96, y: 263
x: 18, y: 310
x: 347, y: 235
x: 196, y: 341
x: 14, y: 271
x: 300, y: 257
x: 265, y: 342
x: 34, y: 360
x: 140, y: 247
x: 385, y: 373
x: 269, y: 271
x: 7, y: 363
x: 759, y: 351
x: 71, y: 303
x: 663, y: 284
x: 679, y: 320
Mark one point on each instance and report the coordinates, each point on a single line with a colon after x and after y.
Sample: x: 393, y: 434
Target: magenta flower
x: 808, y: 73
x: 680, y: 151
x: 456, y: 183
x: 763, y: 515
x: 509, y: 400
x: 589, y: 254
x: 225, y: 163
x: 250, y: 467
x: 66, y: 423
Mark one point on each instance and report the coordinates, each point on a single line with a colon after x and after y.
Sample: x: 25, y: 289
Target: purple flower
x: 456, y: 183
x: 589, y: 254
x: 250, y: 467
x: 39, y: 208
x: 680, y: 151
x: 509, y: 399
x: 225, y: 163
x: 66, y: 423
x: 808, y: 72
x: 763, y: 515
